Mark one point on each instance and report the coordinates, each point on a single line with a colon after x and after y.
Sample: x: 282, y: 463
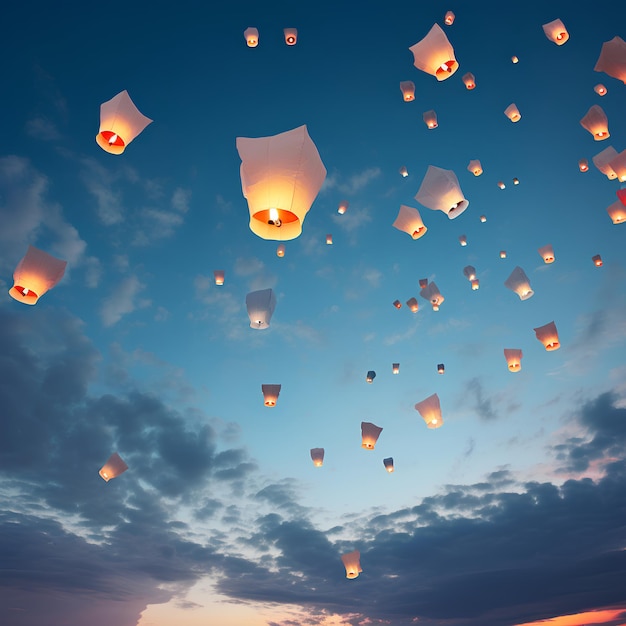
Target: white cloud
x: 354, y: 183
x: 42, y: 128
x: 122, y: 301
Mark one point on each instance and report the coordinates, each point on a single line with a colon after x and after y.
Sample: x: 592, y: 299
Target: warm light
x: 423, y: 282
x: 469, y: 80
x: 514, y: 59
x: 260, y: 305
x: 273, y: 217
x: 388, y: 463
x: 469, y: 271
x: 475, y: 167
x: 434, y: 54
x: 343, y: 207
x: 430, y: 410
x: 596, y: 122
x: 449, y: 18
x: 369, y: 435
x: 251, y: 35
x: 440, y: 191
x: 430, y: 118
x: 412, y: 304
x: 463, y: 240
x: 280, y: 250
x: 519, y: 283
x: 512, y: 112
x: 583, y: 165
x: 555, y: 31
x: 291, y: 36
x: 352, y: 564
x: 513, y: 358
x: 547, y: 253
x: 410, y: 221
x: 441, y: 368
x: 270, y: 394
x: 475, y: 284
x: 370, y: 376
x: 612, y: 59
x: 617, y: 212
x: 483, y: 218
x: 501, y: 184
x: 397, y: 304
x: 317, y: 456
x: 407, y: 87
x: 395, y: 368
x: 35, y: 274
x: 114, y: 466
x: 597, y: 260
x: 433, y: 295
x: 329, y: 240
x: 600, y: 89
x: 516, y: 181
x: 219, y: 277
x: 549, y: 336
x: 112, y: 139
x: 404, y: 172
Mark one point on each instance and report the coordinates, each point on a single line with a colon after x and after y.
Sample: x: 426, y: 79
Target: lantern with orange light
x: 469, y: 81
x: 388, y: 463
x: 519, y: 283
x: 514, y: 59
x: 513, y: 358
x: 260, y: 305
x: 600, y: 89
x: 546, y: 253
x: 430, y: 410
x: 441, y: 368
x: 435, y: 55
x: 409, y: 221
x: 413, y: 305
x: 270, y: 394
x: 597, y: 260
x: 548, y: 336
x: 317, y: 456
x: 475, y: 167
x: 369, y: 378
x: 448, y: 18
x: 618, y: 165
x: 329, y: 240
x: 433, y: 295
x: 469, y: 271
x: 483, y: 218
x: 440, y: 191
x: 35, y: 274
x: 423, y: 282
x: 501, y: 185
x: 612, y: 59
x: 369, y: 435
x: 512, y: 112
x: 407, y: 87
x: 113, y: 467
x: 602, y: 161
x: 583, y: 165
x: 280, y: 250
x: 503, y: 254
x: 403, y: 171
x: 395, y: 368
x: 475, y: 284
x: 219, y: 277
x: 397, y: 304
x: 617, y: 212
x: 463, y: 240
x: 596, y: 122
x: 352, y: 563
x: 430, y: 119
x: 343, y: 207
x: 251, y: 35
x: 555, y: 31
x: 291, y: 36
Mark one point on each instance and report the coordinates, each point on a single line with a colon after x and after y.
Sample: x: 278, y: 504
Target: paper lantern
x: 555, y: 31
x: 219, y: 277
x: 618, y: 165
x: 602, y: 162
x: 503, y: 254
x: 407, y: 87
x: 369, y: 435
x: 483, y: 218
x: 410, y: 221
x: 388, y: 463
x: 519, y: 283
x: 343, y: 207
x: 430, y: 410
x: 413, y: 305
x: 432, y: 294
x: 395, y: 368
x: 423, y: 282
x: 621, y: 195
x: 514, y: 59
x: 435, y: 55
x: 596, y: 122
x: 440, y: 191
x: 463, y: 240
x: 260, y: 305
x: 600, y: 89
x: 113, y: 467
x: 251, y: 35
x: 270, y: 394
x: 475, y: 284
x: 512, y: 112
x: 516, y: 181
x: 441, y: 368
x: 317, y: 456
x: 597, y: 260
x: 404, y: 172
x: 291, y: 36
x: 583, y: 165
x: 469, y: 80
x: 35, y: 274
x: 397, y: 304
x: 448, y: 19
x: 329, y: 240
x: 469, y: 271
x: 352, y: 564
x: 475, y: 167
x: 548, y: 336
x: 547, y: 253
x: 501, y: 185
x: 612, y: 59
x: 513, y: 358
x: 281, y: 176
x: 120, y: 122
x: 280, y: 250
x: 370, y: 376
x: 617, y: 212
x: 430, y: 119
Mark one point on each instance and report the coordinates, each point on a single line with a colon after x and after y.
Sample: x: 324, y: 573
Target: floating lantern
x: 475, y: 284
x: 410, y: 221
x: 469, y: 271
x: 423, y: 282
x: 621, y: 194
x: 469, y: 80
x: 113, y: 467
x: 600, y: 89
x: 440, y: 191
x: 343, y: 207
x: 281, y: 176
x: 513, y: 358
x: 369, y: 435
x: 596, y: 122
x: 329, y: 240
x: 280, y: 250
x: 514, y: 59
x: 388, y: 463
x: 270, y: 394
x: 602, y: 162
x: 395, y: 368
x: 618, y: 165
x: 430, y: 119
x: 512, y: 112
x: 317, y: 456
x: 547, y: 253
x: 432, y: 294
x: 407, y: 87
x: 352, y: 564
x: 503, y: 254
x: 370, y: 376
x: 219, y: 277
x: 597, y: 260
x: 260, y: 305
x: 483, y: 218
x: 120, y: 122
x: 413, y: 305
x: 435, y: 55
x: 583, y: 165
x: 251, y: 35
x: 35, y: 274
x: 441, y: 368
x: 555, y: 31
x: 519, y: 283
x: 617, y: 212
x: 448, y: 19
x: 291, y: 36
x: 612, y: 59
x: 463, y: 240
x: 516, y: 181
x: 475, y: 167
x: 430, y: 410
x: 404, y: 172
x: 397, y: 304
x: 548, y: 336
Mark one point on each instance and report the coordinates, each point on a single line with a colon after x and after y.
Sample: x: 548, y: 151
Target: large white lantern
x: 440, y: 191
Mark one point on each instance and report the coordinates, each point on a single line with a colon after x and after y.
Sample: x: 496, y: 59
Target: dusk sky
x: 512, y: 513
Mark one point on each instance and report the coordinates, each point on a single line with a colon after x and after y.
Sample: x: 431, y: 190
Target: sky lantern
x: 280, y: 250
x: 501, y: 185
x: 281, y: 176
x: 413, y: 305
x: 621, y: 195
x: 291, y: 36
x: 503, y: 254
x: 251, y: 35
x: 397, y: 304
x: 388, y: 463
x: 583, y: 165
x: 555, y: 31
x: 423, y: 282
x: 35, y: 274
x: 317, y: 456
x: 370, y: 376
x: 547, y: 253
x: 260, y: 305
x: 475, y: 284
x: 512, y: 112
x: 448, y: 19
x: 440, y: 191
x: 463, y: 240
x: 404, y: 172
x: 600, y: 89
x: 432, y: 294
x: 514, y: 59
x: 430, y: 119
x: 548, y: 336
x: 435, y: 55
x: 219, y: 277
x: 469, y: 271
x: 120, y: 122
x: 409, y: 221
x: 407, y: 87
x: 113, y: 467
x: 612, y: 59
x: 469, y: 80
x: 617, y: 212
x: 513, y: 358
x: 516, y: 181
x: 352, y: 564
x: 441, y: 368
x: 475, y: 167
x: 270, y: 394
x: 519, y: 283
x: 483, y: 218
x: 329, y: 240
x: 597, y: 260
x: 369, y: 435
x: 395, y: 368
x: 343, y: 207
x: 602, y: 161
x: 618, y: 165
x: 596, y: 122
x: 430, y: 410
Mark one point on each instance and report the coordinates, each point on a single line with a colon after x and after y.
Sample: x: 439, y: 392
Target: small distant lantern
x: 469, y: 80
x: 410, y: 221
x: 423, y: 282
x: 435, y: 55
x: 430, y: 410
x: 596, y: 122
x: 352, y: 564
x: 432, y: 294
x: 219, y: 277
x: 501, y: 184
x: 514, y: 59
x: 343, y: 207
x: 113, y: 467
x: 555, y: 31
x: 548, y: 336
x: 413, y: 305
x: 618, y: 165
x: 260, y: 305
x: 388, y: 463
x: 475, y: 167
x: 602, y: 161
x: 395, y: 368
x: 519, y: 283
x: 441, y: 368
x: 120, y: 122
x: 600, y: 89
x: 617, y: 212
x: 35, y: 274
x: 583, y: 165
x: 597, y: 260
x: 463, y: 240
x: 404, y: 172
x: 280, y: 250
x: 317, y: 456
x: 503, y: 254
x: 369, y: 435
x: 547, y: 253
x: 475, y: 284
x: 469, y: 271
x: 370, y: 376
x: 512, y: 112
x: 251, y: 35
x: 440, y: 191
x: 397, y: 304
x: 407, y: 87
x: 291, y: 36
x: 430, y: 119
x: 270, y: 394
x: 329, y: 240
x: 516, y: 181
x: 448, y: 19
x: 483, y: 218
x: 513, y: 358
x: 612, y: 59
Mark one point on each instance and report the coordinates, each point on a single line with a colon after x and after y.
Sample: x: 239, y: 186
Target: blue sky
x: 514, y: 508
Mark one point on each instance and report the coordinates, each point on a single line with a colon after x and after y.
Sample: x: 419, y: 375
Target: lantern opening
x: 275, y: 217
x: 291, y: 40
x: 553, y: 345
x: 25, y: 294
x: 112, y: 138
x: 446, y: 68
x: 418, y: 233
x: 457, y: 208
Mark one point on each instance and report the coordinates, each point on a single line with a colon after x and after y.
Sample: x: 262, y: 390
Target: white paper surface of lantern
x: 369, y: 435
x: 260, y: 305
x: 317, y: 456
x: 352, y: 563
x: 440, y: 191
x: 430, y: 119
x: 35, y: 274
x: 270, y: 394
x: 407, y: 87
x: 547, y: 253
x: 409, y: 221
x: 548, y: 336
x: 343, y: 207
x: 430, y: 410
x: 113, y: 467
x: 596, y: 122
x: 555, y: 31
x: 519, y: 283
x: 513, y: 358
x: 251, y: 35
x: 434, y: 54
x: 512, y: 112
x: 612, y: 59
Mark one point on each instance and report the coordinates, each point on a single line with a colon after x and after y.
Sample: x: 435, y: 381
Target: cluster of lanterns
x: 251, y: 35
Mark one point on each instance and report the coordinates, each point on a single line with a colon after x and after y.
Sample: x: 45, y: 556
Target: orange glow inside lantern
x: 434, y: 54
x: 370, y: 376
x: 329, y: 240
x: 597, y: 260
x: 397, y: 304
x: 514, y: 59
x: 404, y: 172
x: 583, y: 165
x: 516, y: 181
x: 343, y: 207
x: 469, y: 80
x: 114, y: 466
x: 395, y: 368
x: 600, y: 90
x: 317, y: 456
x: 219, y: 277
x: 555, y: 31
x: 369, y: 435
x: 352, y: 564
x: 388, y: 463
x: 270, y: 394
x: 547, y: 253
x: 407, y: 87
x: 475, y: 284
x: 430, y: 118
x: 35, y: 274
x: 463, y: 240
x: 413, y: 305
x: 291, y: 36
x: 501, y: 184
x: 513, y: 358
x: 280, y: 250
x: 503, y: 254
x: 475, y: 167
x: 483, y: 218
x: 430, y: 410
x: 441, y: 368
x: 449, y: 18
x: 548, y: 336
x: 617, y: 212
x: 423, y: 282
x: 513, y: 113
x: 596, y: 122
x: 251, y: 35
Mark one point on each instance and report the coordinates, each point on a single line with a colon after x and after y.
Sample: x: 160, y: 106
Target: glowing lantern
x: 602, y: 160
x: 397, y: 304
x: 556, y: 31
x: 596, y: 122
x: 503, y: 254
x: 597, y: 260
x: 260, y: 305
x: 547, y: 253
x: 483, y: 218
x: 251, y: 35
x: 404, y: 172
x: 291, y: 36
x: 583, y: 165
x: 280, y: 250
x: 35, y: 274
x: 469, y: 80
x: 475, y: 167
x: 413, y: 305
x: 548, y: 336
x: 317, y: 456
x: 395, y: 368
x: 516, y: 181
x: 280, y: 178
x: 435, y: 55
x: 343, y: 207
x: 270, y: 394
x: 120, y: 122
x: 469, y: 271
x: 329, y: 240
x: 448, y: 20
x: 441, y: 368
x: 370, y: 376
x: 430, y: 119
x: 369, y: 435
x: 513, y: 358
x: 512, y: 112
x: 514, y: 59
x: 600, y: 89
x: 612, y: 59
x: 463, y: 240
x: 352, y: 564
x: 388, y: 463
x: 618, y: 165
x: 409, y: 221
x: 501, y: 185
x: 617, y: 212
x: 475, y: 284
x: 432, y: 294
x: 407, y: 87
x: 219, y: 277
x: 113, y: 467
x: 519, y: 283
x: 423, y: 282
x: 440, y: 191
x: 430, y: 410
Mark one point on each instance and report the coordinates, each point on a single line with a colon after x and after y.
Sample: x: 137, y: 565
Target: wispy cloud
x: 123, y: 300
x: 42, y: 128
x: 352, y: 184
